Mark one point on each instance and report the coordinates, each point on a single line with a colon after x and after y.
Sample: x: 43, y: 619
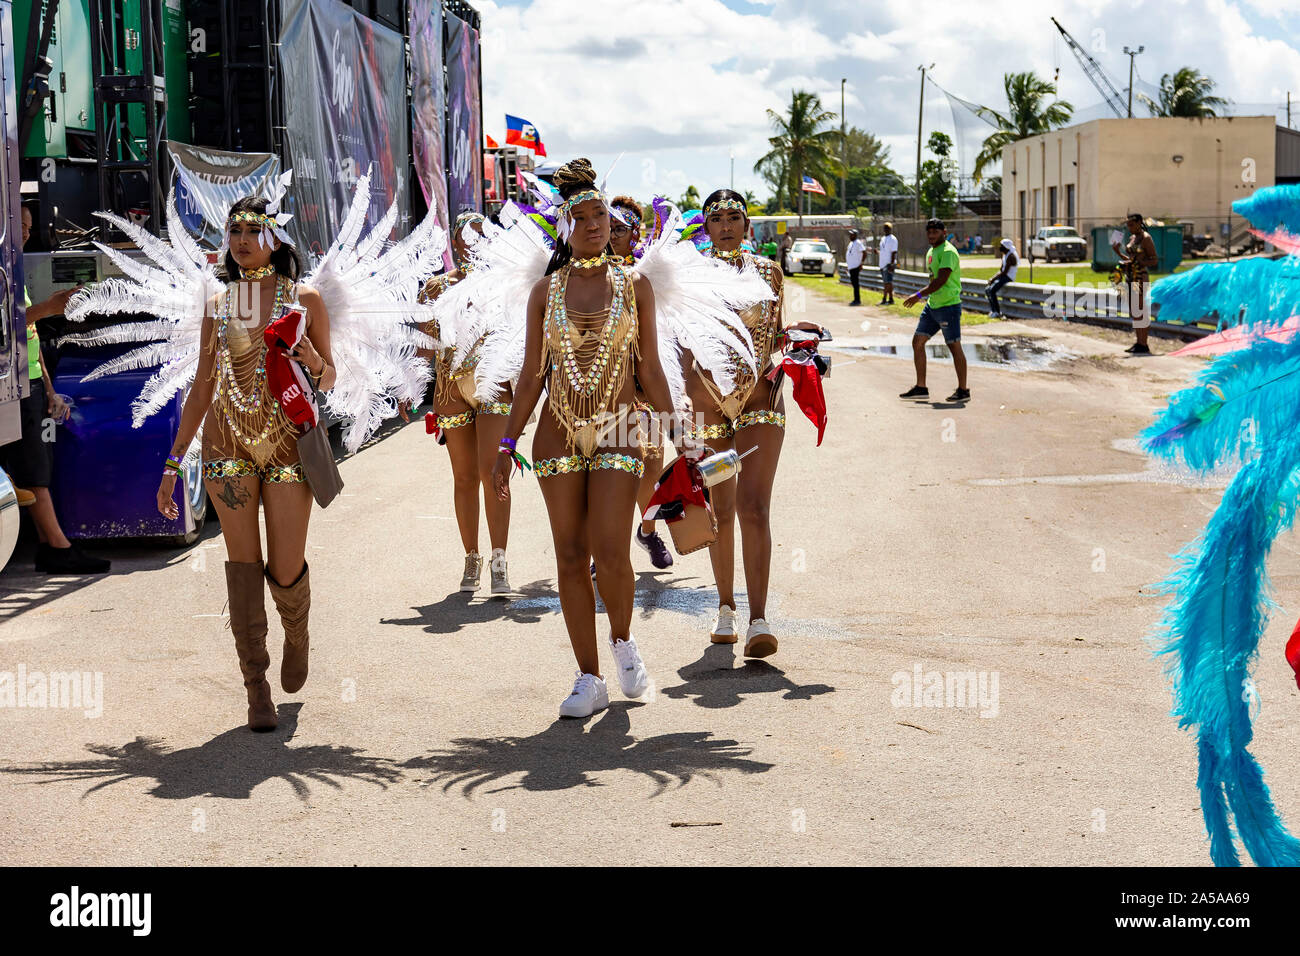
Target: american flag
x: 811, y: 185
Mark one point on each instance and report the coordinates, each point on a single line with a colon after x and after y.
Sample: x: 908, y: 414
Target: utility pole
x: 1288, y: 109
x: 1130, y: 54
x: 733, y: 169
x: 920, y: 110
x: 844, y: 148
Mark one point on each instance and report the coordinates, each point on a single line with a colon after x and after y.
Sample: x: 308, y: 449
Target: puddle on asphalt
x: 1016, y: 354
x: 702, y: 604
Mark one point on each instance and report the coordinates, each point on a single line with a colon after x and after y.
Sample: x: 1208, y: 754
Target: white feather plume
x: 696, y: 303
x: 367, y: 286
x: 369, y: 289
x: 173, y: 284
x: 488, y: 309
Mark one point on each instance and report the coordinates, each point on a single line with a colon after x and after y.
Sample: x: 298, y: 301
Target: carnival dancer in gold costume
x: 750, y: 417
x: 470, y: 426
x: 357, y: 349
x: 590, y: 336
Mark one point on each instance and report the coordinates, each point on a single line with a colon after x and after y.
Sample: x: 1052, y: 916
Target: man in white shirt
x: 1010, y: 262
x: 853, y: 259
x: 888, y: 259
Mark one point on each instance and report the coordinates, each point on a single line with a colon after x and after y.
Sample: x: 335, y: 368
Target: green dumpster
x: 1168, y: 240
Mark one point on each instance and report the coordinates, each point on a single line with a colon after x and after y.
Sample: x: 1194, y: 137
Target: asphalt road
x: 1015, y: 539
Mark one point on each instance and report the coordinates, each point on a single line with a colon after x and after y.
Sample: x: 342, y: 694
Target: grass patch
x: 1063, y: 273
x: 831, y: 288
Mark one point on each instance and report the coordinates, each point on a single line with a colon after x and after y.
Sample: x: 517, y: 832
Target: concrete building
x: 1178, y: 170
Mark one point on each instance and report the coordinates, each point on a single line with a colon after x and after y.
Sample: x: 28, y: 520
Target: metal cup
x: 718, y: 468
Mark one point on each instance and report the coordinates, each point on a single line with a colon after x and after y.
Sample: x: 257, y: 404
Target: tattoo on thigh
x: 233, y: 496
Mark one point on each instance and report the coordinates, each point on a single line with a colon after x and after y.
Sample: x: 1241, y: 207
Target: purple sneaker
x: 660, y: 556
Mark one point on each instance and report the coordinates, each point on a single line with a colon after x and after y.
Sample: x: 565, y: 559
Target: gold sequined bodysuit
x: 245, y: 431
x: 763, y: 321
x: 586, y: 360
x: 456, y: 383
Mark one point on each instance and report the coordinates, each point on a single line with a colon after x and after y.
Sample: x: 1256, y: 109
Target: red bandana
x: 285, y: 377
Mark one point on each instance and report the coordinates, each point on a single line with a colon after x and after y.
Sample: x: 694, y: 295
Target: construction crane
x: 1093, y: 70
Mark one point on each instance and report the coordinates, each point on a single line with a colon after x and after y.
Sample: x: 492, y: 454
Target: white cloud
x: 677, y: 83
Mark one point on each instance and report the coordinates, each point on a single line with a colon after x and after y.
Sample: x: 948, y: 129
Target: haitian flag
x: 520, y: 132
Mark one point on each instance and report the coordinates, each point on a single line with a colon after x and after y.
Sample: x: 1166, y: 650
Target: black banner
x: 465, y: 125
x: 345, y: 112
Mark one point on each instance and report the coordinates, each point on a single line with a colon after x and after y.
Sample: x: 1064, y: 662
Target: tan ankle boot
x: 293, y: 603
x: 244, y: 585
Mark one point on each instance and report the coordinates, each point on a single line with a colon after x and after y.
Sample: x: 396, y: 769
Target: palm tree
x: 690, y: 199
x: 1187, y: 92
x: 805, y: 142
x: 1028, y: 115
x: 863, y: 149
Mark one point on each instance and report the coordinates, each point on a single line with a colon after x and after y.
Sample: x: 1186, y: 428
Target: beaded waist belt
x: 548, y: 467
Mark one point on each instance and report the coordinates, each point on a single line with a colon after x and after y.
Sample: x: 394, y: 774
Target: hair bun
x: 575, y: 176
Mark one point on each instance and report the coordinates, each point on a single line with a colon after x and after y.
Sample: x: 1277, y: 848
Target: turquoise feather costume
x: 1241, y: 409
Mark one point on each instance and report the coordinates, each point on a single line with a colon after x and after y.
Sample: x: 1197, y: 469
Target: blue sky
x: 680, y: 85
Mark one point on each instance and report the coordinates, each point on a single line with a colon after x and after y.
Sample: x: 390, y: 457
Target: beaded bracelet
x: 172, y: 466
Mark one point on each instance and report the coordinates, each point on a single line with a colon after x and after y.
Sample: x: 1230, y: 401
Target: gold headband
x: 725, y: 204
x: 579, y: 198
x: 259, y: 218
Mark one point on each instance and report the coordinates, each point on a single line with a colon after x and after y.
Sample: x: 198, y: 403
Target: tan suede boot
x: 293, y: 603
x: 244, y: 585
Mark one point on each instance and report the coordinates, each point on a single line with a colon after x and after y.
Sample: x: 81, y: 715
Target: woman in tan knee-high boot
x: 212, y: 338
x: 249, y: 448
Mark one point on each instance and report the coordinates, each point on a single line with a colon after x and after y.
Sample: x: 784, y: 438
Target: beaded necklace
x: 251, y: 415
x: 591, y: 263
x: 586, y: 378
x: 729, y: 256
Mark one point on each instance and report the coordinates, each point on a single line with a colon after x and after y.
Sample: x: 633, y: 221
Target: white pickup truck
x: 1062, y: 243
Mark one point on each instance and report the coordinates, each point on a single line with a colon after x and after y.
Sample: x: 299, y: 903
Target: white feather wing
x: 173, y: 283
x: 697, y: 300
x: 488, y: 309
x: 369, y: 288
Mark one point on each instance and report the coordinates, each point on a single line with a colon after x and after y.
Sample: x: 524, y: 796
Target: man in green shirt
x: 942, y: 311
x: 770, y: 249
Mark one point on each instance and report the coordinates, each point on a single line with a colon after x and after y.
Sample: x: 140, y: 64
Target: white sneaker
x: 759, y: 641
x: 724, y: 628
x: 632, y: 676
x: 500, y: 582
x: 588, y: 696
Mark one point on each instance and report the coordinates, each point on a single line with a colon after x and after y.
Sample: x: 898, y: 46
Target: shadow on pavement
x: 229, y: 765
x: 23, y: 589
x: 461, y: 608
x: 940, y: 403
x: 568, y: 753
x: 714, y: 680
x: 652, y: 591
